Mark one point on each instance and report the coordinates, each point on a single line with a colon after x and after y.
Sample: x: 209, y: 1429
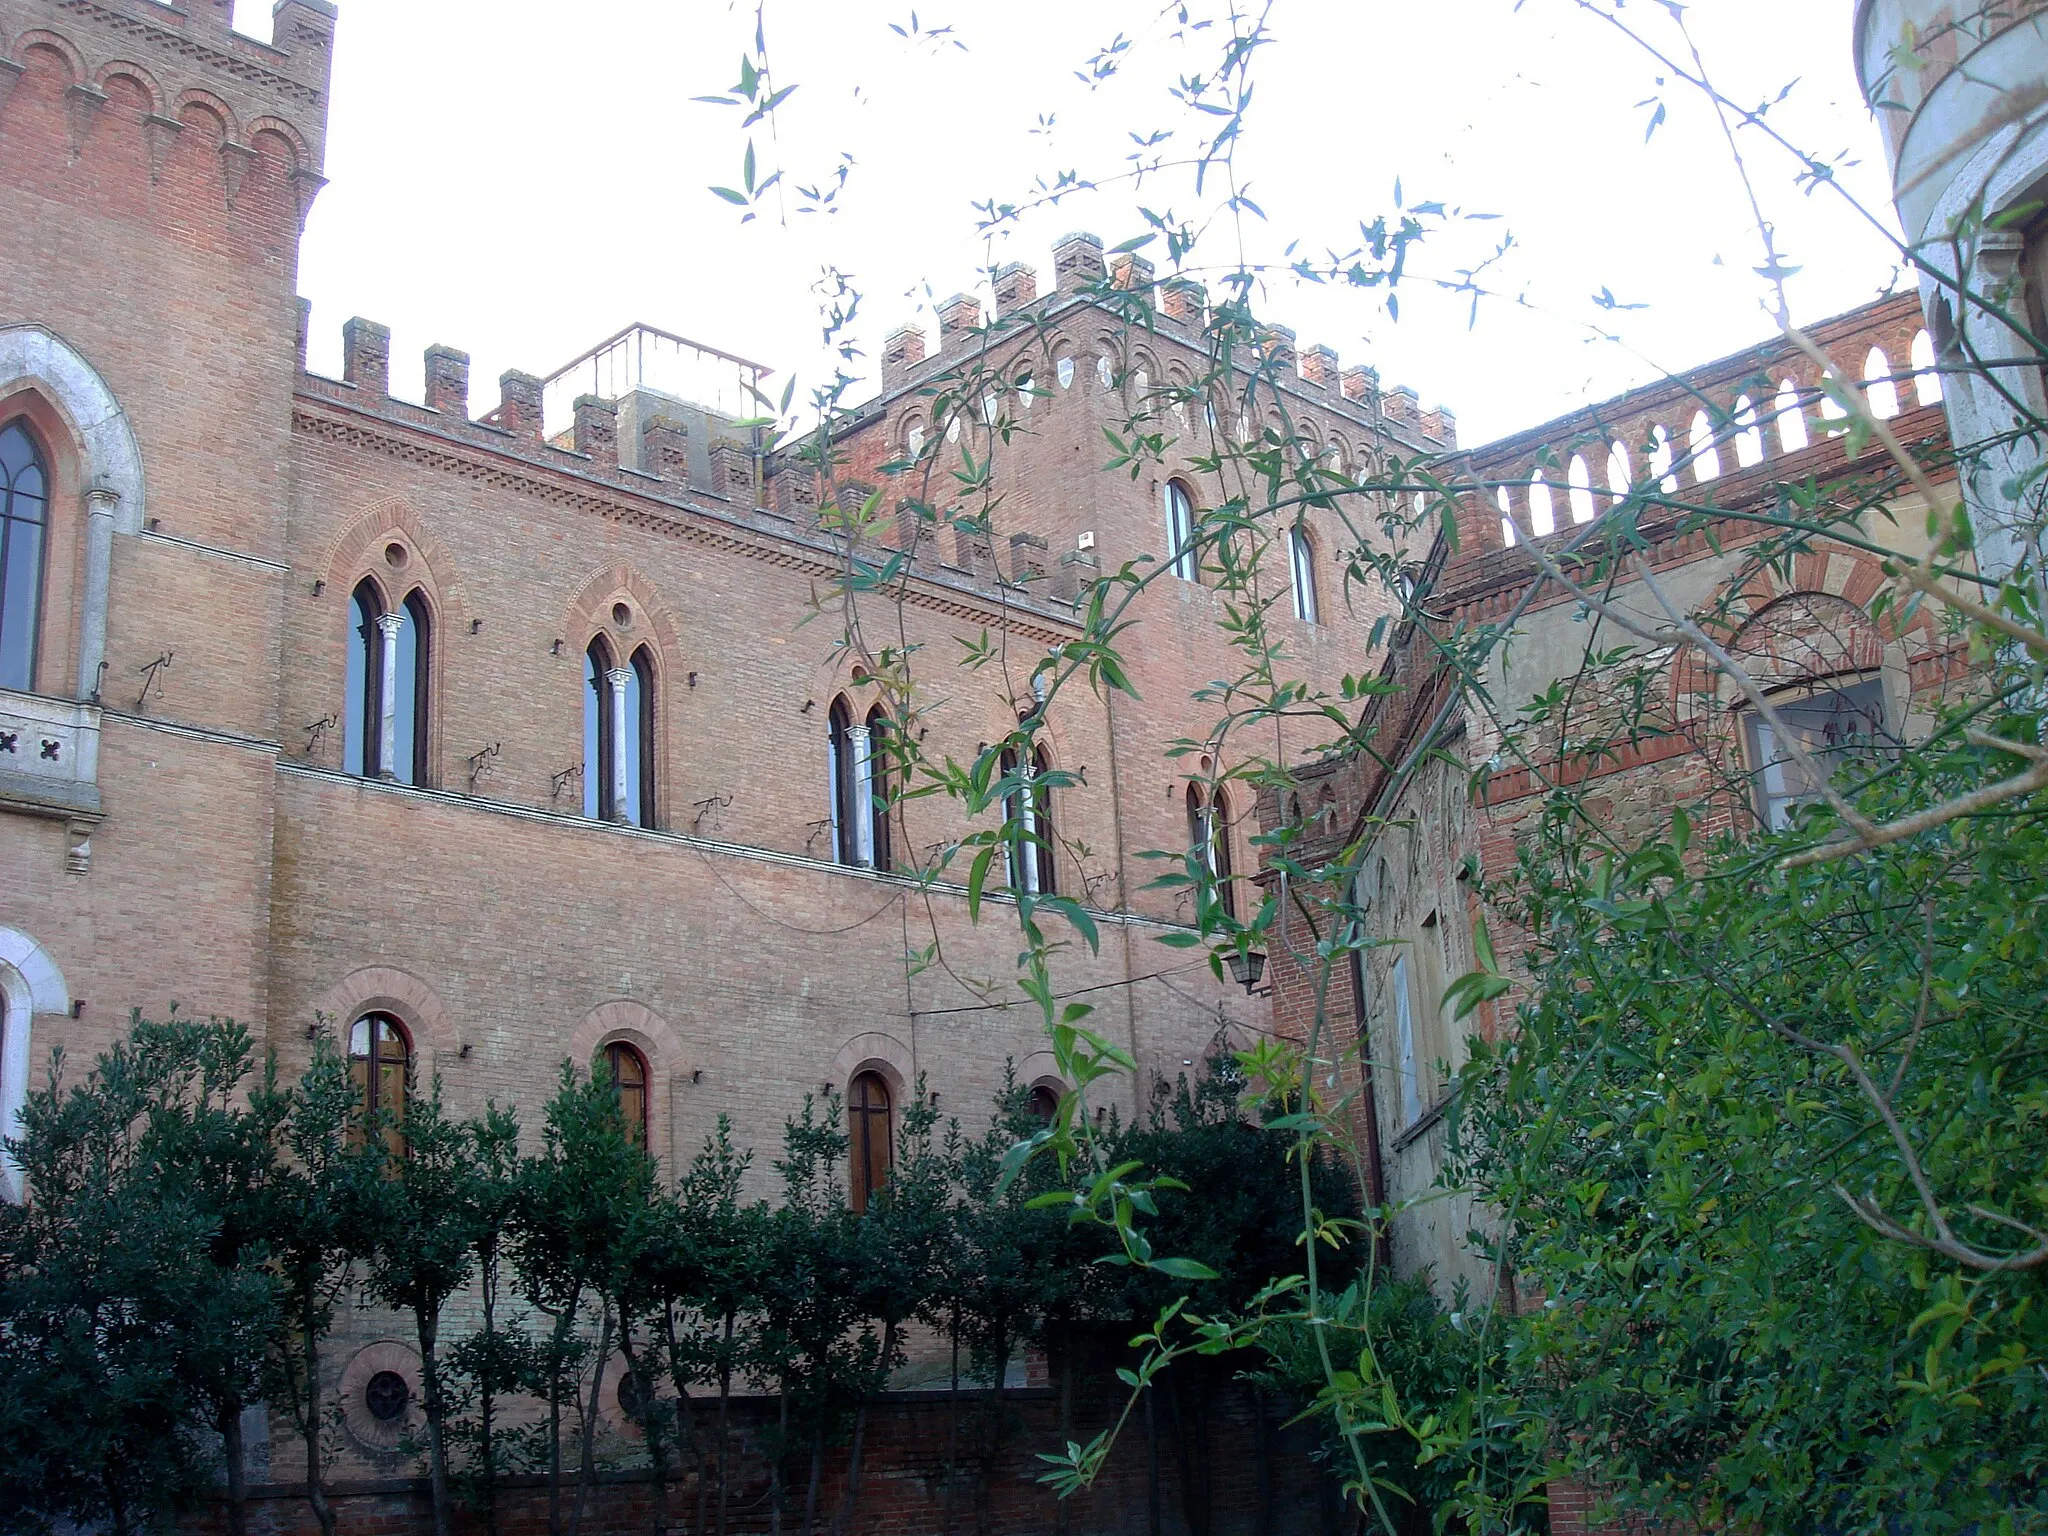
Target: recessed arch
x: 145, y: 82
x: 58, y: 48
x: 1749, y: 434
x: 1791, y: 414
x: 1702, y: 448
x: 1579, y: 480
x: 31, y: 986
x: 1878, y: 386
x: 1926, y: 377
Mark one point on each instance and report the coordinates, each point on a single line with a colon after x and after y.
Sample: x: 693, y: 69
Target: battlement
x: 652, y: 415
x: 186, y: 75
x: 1083, y: 272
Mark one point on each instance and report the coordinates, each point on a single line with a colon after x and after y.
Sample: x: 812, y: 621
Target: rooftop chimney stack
x: 1077, y: 263
x: 665, y: 450
x: 366, y: 357
x: 1319, y: 369
x: 596, y: 432
x: 901, y: 352
x: 1276, y: 342
x: 518, y: 409
x: 448, y: 382
x: 1362, y: 385
x: 959, y: 317
x: 1016, y: 286
x: 1185, y: 301
x: 1133, y: 274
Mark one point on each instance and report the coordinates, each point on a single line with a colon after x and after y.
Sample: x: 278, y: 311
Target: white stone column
x: 863, y: 795
x: 102, y: 502
x: 619, y: 677
x: 388, y: 625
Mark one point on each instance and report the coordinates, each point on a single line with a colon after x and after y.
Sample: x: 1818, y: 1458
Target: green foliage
x: 1703, y: 1090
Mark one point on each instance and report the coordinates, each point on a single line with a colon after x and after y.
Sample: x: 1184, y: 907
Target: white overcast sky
x: 520, y: 178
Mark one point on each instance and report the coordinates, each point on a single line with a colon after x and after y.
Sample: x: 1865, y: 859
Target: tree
x: 425, y: 1250
x: 319, y: 1206
x: 131, y: 1308
x: 575, y: 1204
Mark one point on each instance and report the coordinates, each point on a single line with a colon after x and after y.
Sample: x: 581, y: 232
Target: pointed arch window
x: 24, y: 530
x: 858, y: 785
x: 1749, y: 435
x: 1302, y: 558
x: 1791, y: 418
x: 1706, y: 456
x: 1879, y: 388
x: 380, y: 1070
x: 627, y: 1069
x: 384, y: 726
x: 618, y: 736
x: 1180, y: 532
x: 1621, y: 472
x: 1579, y: 484
x: 1029, y: 858
x: 871, y: 1142
x: 1209, y: 841
x: 1926, y: 381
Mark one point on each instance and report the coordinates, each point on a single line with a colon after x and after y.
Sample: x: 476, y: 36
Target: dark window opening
x: 24, y: 530
x: 872, y: 1144
x: 1832, y: 724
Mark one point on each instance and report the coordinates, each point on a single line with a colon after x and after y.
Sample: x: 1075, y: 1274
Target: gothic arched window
x: 1028, y: 808
x: 363, y: 713
x: 384, y: 725
x: 871, y: 1144
x: 379, y: 1066
x: 878, y: 788
x: 1219, y: 851
x: 1180, y: 532
x: 627, y: 1069
x: 636, y: 794
x: 597, y: 731
x: 24, y: 528
x: 1302, y: 559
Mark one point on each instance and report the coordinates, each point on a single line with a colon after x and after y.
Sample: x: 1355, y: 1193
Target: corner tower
x: 155, y: 171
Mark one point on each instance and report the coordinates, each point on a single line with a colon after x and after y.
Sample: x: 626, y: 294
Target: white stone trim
x: 111, y: 463
x: 30, y: 984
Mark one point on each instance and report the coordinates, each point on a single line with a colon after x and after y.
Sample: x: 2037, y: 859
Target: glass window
x: 1043, y: 1103
x: 1028, y: 860
x: 842, y: 771
x: 409, y: 703
x: 627, y: 1069
x: 877, y: 769
x: 1791, y: 418
x: 636, y: 802
x: 1303, y: 559
x: 363, y: 712
x: 597, y: 731
x: 1180, y: 532
x: 379, y: 1063
x: 1404, y: 1043
x: 1831, y: 724
x: 871, y: 1143
x: 1219, y: 851
x: 24, y: 529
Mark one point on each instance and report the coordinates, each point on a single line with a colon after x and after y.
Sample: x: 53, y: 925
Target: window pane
x: 1830, y: 725
x: 405, y: 704
x: 637, y: 801
x: 359, y: 718
x: 596, y: 732
x: 20, y: 594
x: 1404, y: 1043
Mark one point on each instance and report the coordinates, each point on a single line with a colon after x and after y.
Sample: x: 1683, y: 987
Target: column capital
x: 619, y: 677
x: 390, y: 624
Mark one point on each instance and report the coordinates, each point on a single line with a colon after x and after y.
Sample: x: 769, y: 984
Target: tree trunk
x: 725, y: 1433
x: 1194, y: 1508
x: 817, y: 1474
x: 992, y: 1445
x: 555, y: 1349
x: 686, y: 1408
x: 488, y: 1273
x: 586, y: 1467
x: 232, y: 1453
x: 844, y: 1523
x: 429, y: 1321
x: 650, y: 1426
x: 1262, y: 1448
x: 775, y: 1466
x: 1062, y: 1516
x: 952, y: 1431
x: 316, y: 1477
x: 1151, y: 1461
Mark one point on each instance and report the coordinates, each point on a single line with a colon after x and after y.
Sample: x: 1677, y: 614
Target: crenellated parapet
x: 1178, y: 337
x: 186, y: 75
